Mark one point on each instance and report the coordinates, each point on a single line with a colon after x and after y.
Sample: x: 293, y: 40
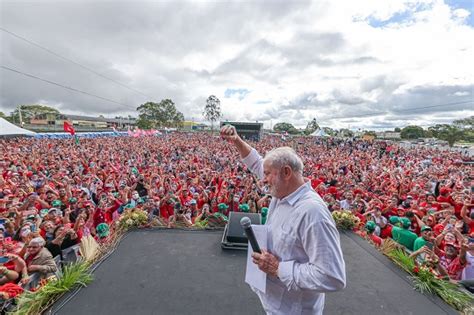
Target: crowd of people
x: 55, y: 192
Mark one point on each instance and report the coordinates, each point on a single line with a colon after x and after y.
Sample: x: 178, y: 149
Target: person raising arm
x: 306, y: 260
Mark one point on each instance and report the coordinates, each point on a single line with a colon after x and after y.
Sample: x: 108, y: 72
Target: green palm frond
x: 72, y: 276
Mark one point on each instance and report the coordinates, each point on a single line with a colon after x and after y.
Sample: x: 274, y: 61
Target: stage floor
x: 186, y: 272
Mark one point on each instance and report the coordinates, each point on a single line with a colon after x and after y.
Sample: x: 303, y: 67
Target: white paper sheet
x: 254, y: 276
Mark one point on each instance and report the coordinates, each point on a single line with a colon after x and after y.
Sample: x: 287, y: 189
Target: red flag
x: 69, y: 128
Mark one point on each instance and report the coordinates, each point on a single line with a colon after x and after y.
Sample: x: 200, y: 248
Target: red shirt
x: 386, y: 232
x: 166, y: 210
x: 415, y: 227
x: 457, y: 210
x: 390, y: 212
x: 447, y: 199
x: 377, y: 240
x: 315, y: 182
x: 452, y: 266
x: 435, y: 206
x: 98, y: 217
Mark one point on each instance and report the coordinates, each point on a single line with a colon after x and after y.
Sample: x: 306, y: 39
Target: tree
x: 2, y: 115
x: 329, y: 131
x: 144, y: 123
x: 162, y: 114
x: 30, y: 111
x: 412, y: 132
x: 311, y: 127
x: 466, y: 123
x: 179, y: 119
x: 285, y: 127
x: 344, y: 132
x: 449, y: 133
x: 397, y: 129
x: 212, y: 110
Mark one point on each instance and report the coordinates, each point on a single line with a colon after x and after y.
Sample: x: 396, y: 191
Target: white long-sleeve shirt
x: 305, y: 238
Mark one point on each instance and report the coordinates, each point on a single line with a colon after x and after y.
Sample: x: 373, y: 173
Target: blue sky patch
x: 407, y: 15
x: 463, y: 4
x: 241, y: 93
x: 400, y: 17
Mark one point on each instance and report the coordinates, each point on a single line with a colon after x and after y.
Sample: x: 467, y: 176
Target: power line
x: 66, y: 87
x: 402, y: 111
x: 74, y: 62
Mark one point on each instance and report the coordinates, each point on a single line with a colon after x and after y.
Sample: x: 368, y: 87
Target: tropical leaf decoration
x: 89, y: 248
x: 345, y: 220
x: 132, y: 218
x: 388, y: 246
x: 72, y: 276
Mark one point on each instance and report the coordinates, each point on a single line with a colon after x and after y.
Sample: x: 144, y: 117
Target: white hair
x: 37, y: 241
x: 284, y: 156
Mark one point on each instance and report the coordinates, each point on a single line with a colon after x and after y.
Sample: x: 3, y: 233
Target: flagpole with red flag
x: 70, y: 129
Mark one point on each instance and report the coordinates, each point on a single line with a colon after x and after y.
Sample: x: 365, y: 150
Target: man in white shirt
x: 306, y: 259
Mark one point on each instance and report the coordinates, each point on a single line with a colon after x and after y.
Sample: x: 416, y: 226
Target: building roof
x: 242, y: 123
x: 101, y: 119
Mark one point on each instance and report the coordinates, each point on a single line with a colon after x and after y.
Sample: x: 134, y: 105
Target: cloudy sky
x: 359, y: 64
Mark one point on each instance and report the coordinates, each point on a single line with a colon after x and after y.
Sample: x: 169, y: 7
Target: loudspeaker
x: 234, y: 235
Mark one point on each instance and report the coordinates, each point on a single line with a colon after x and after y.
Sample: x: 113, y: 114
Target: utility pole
x: 19, y: 115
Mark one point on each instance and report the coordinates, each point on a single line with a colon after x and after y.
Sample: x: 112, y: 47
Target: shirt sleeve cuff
x: 285, y: 272
x: 251, y: 158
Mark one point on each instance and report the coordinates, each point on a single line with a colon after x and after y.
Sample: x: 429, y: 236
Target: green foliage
x: 285, y: 127
x: 345, y: 220
x: 450, y: 293
x: 162, y: 114
x: 466, y: 123
x: 403, y: 260
x: 144, y: 123
x: 449, y: 133
x: 35, y: 302
x: 2, y: 115
x: 397, y: 129
x: 311, y: 127
x: 29, y: 111
x: 212, y: 110
x: 412, y: 132
x: 425, y: 281
x: 344, y: 132
x: 131, y: 218
x: 329, y: 131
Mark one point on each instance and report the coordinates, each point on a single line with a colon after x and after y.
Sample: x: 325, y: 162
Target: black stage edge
x: 187, y: 272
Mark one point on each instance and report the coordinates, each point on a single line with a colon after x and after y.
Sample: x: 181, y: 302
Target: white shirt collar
x: 294, y: 196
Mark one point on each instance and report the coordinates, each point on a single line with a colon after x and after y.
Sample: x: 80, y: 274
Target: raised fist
x: 228, y: 132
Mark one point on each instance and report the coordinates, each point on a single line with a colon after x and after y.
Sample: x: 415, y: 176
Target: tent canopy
x: 319, y: 133
x: 8, y: 129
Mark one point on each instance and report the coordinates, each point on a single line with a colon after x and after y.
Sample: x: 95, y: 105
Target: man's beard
x: 275, y: 186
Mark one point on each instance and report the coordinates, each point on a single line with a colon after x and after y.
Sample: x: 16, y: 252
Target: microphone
x: 246, y: 225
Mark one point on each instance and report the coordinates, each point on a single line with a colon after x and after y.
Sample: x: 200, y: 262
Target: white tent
x: 319, y: 133
x: 8, y: 129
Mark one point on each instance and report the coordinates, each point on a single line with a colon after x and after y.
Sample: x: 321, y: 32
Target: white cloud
x: 298, y: 60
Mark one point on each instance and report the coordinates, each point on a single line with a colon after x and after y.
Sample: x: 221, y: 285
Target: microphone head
x: 245, y: 222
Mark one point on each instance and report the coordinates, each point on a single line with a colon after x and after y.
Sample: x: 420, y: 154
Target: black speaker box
x: 235, y: 233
